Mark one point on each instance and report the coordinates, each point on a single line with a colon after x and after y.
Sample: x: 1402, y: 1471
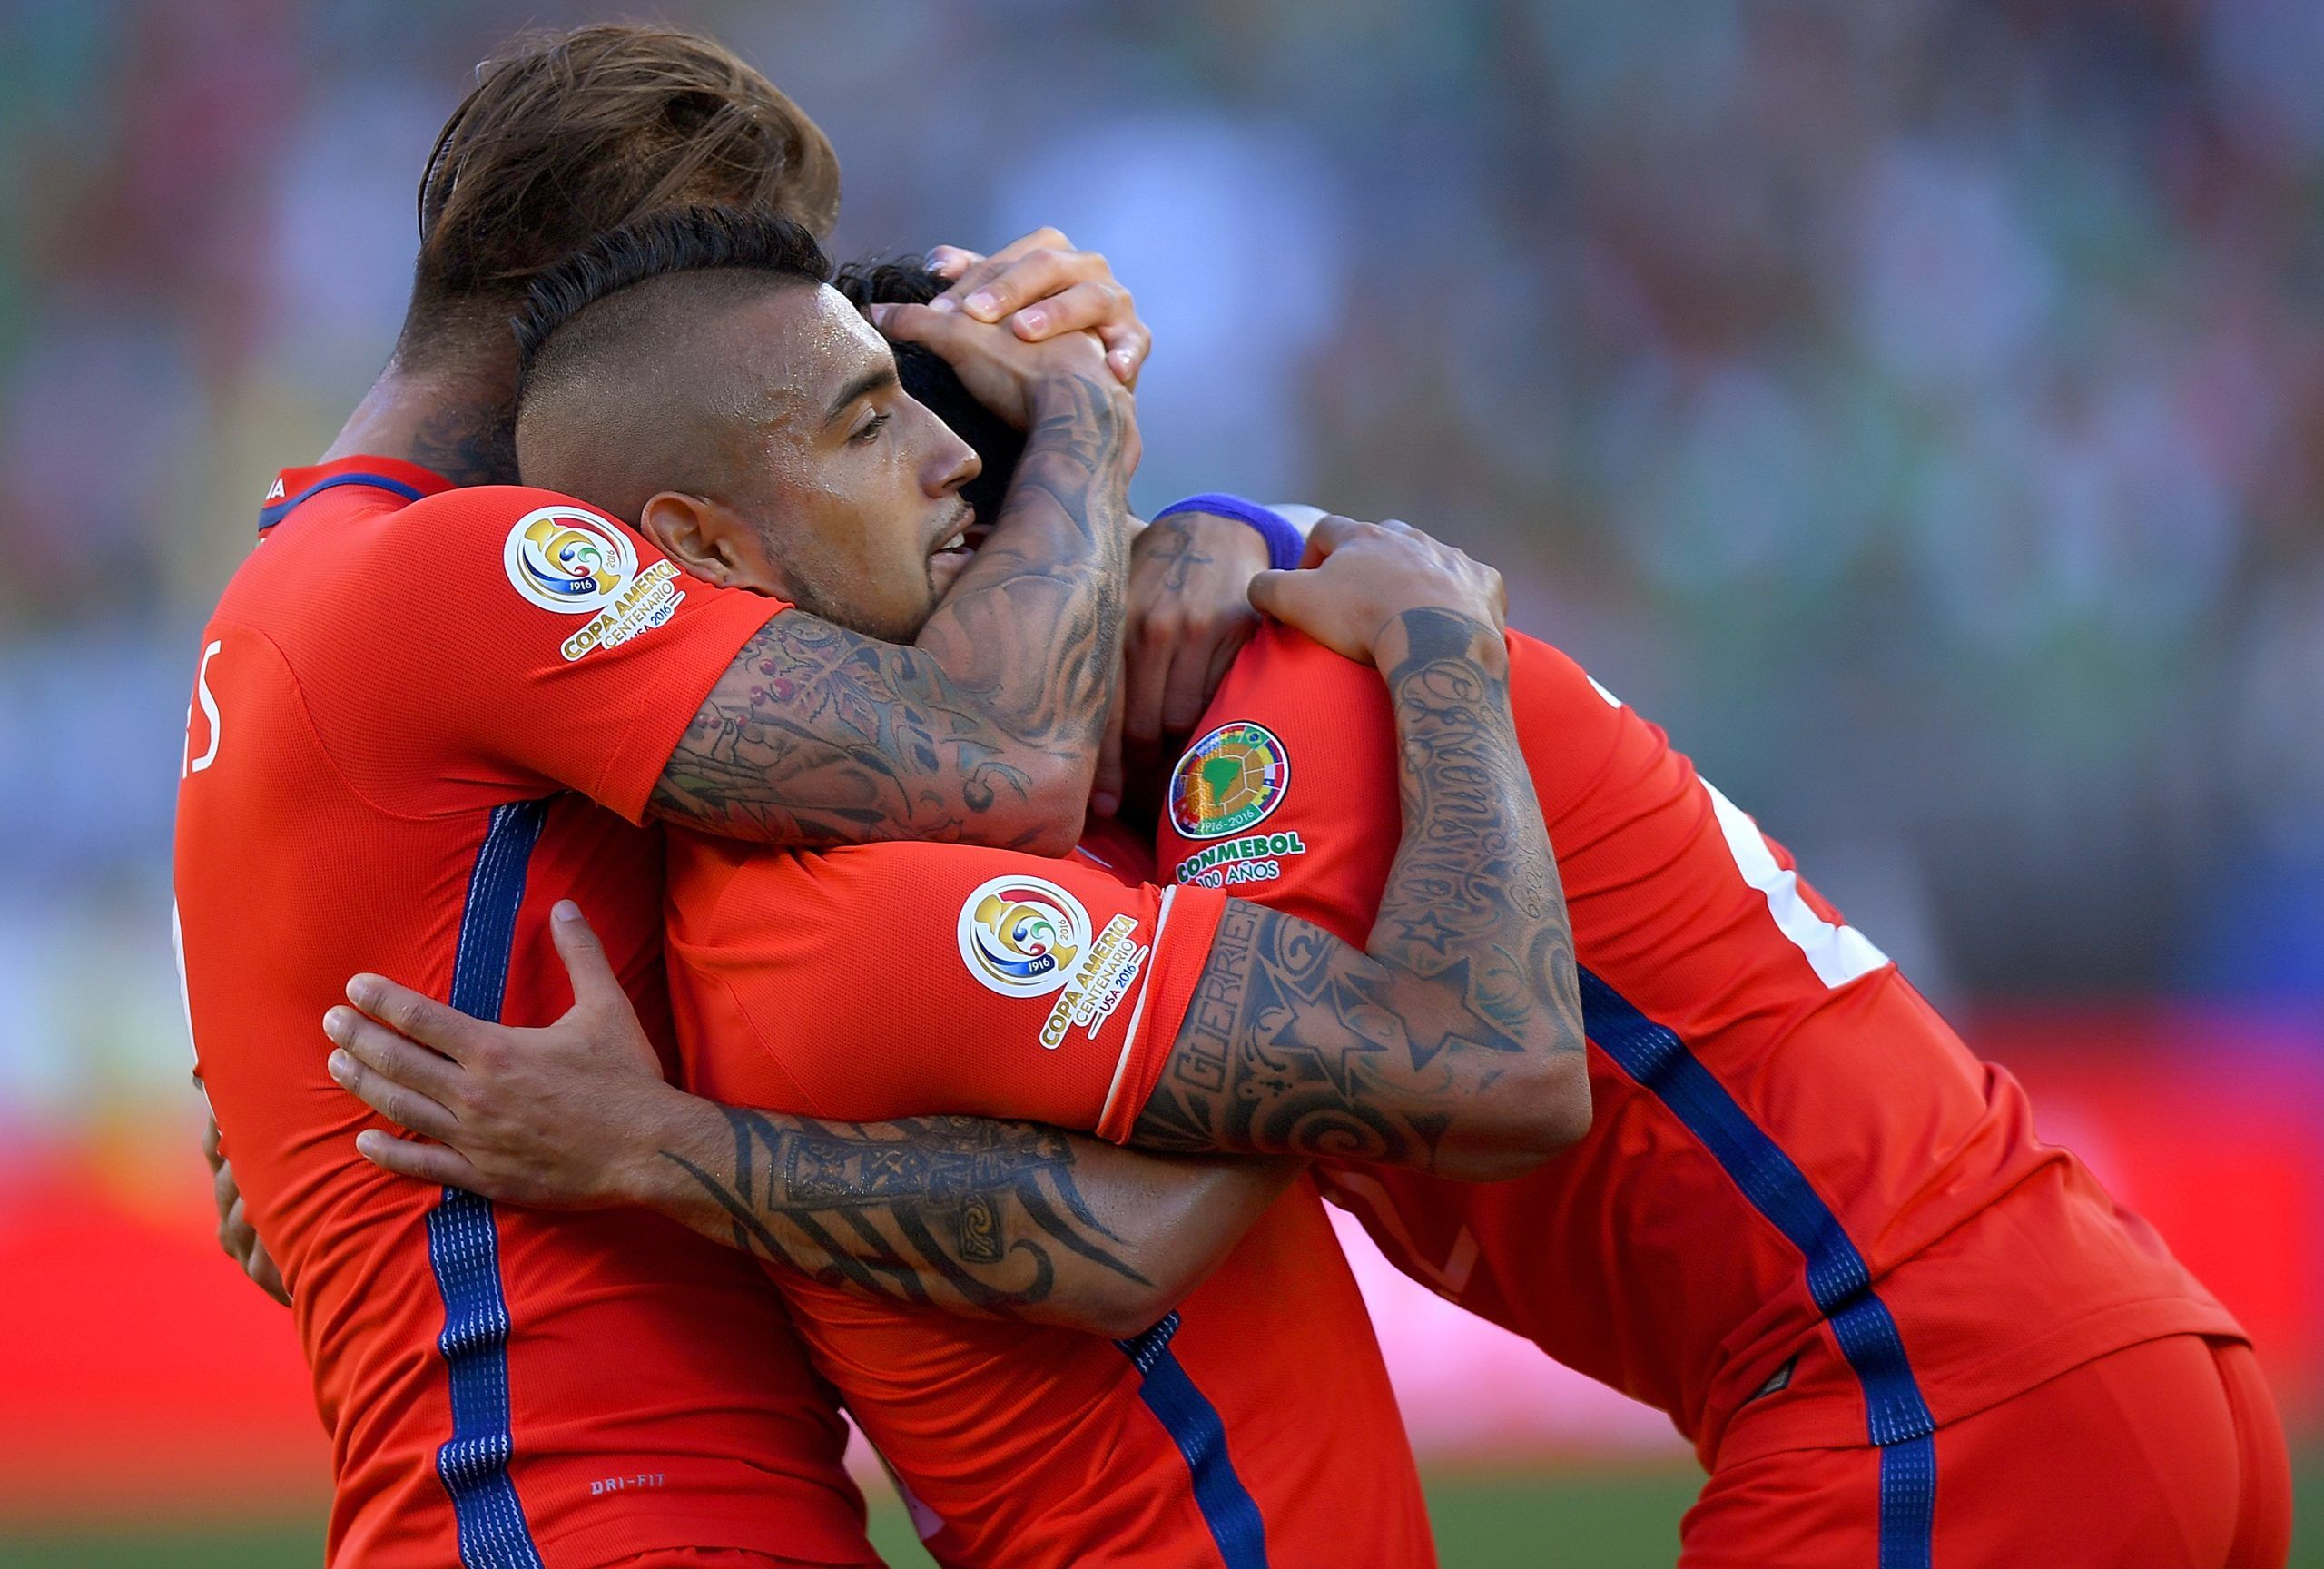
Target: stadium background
x: 1919, y: 408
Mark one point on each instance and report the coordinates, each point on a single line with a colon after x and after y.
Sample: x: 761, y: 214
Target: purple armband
x: 1287, y: 547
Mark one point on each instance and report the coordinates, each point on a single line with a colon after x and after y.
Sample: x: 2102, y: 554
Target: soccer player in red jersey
x: 1840, y: 1261
x: 1806, y: 1222
x: 1208, y: 1433
x: 421, y: 714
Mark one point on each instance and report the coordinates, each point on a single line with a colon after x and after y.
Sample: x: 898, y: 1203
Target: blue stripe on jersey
x: 1908, y: 1503
x: 1837, y: 1278
x: 464, y: 1241
x: 1192, y: 1424
x: 268, y: 517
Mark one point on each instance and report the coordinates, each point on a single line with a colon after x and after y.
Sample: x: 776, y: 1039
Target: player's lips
x: 953, y: 551
x: 953, y: 534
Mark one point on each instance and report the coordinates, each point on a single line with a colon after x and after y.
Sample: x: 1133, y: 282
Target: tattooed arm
x: 961, y: 1213
x: 1453, y: 1040
x: 986, y: 729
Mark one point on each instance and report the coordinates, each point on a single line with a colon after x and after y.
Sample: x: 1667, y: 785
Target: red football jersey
x: 421, y: 717
x: 1799, y: 1186
x: 1255, y: 1425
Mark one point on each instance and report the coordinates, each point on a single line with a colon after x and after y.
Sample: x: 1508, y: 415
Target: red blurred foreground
x: 139, y: 1372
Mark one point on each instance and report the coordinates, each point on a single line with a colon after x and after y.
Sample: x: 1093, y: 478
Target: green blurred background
x: 1917, y: 407
x: 1625, y: 1519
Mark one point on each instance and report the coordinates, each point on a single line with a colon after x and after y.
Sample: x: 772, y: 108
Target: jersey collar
x: 393, y: 475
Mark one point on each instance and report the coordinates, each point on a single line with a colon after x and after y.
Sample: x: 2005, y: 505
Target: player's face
x: 852, y: 487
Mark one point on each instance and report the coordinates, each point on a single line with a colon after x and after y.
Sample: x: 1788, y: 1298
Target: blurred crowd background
x: 1918, y: 407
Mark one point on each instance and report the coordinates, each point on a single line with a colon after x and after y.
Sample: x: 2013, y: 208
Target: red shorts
x: 2167, y: 1455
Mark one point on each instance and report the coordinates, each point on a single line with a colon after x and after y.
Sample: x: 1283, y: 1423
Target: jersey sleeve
x: 913, y: 978
x: 1289, y: 795
x: 513, y: 637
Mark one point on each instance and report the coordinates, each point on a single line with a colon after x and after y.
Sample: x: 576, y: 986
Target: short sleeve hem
x: 1184, y: 928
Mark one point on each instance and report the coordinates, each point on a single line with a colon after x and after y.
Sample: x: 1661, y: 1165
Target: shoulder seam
x: 773, y: 1057
x: 315, y: 730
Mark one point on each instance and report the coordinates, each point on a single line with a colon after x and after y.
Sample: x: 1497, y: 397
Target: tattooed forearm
x: 987, y: 729
x: 963, y: 1214
x: 1452, y: 1042
x: 975, y: 1211
x: 1474, y: 887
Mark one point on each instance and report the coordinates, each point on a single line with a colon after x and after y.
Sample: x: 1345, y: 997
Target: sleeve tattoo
x: 956, y: 1212
x: 987, y: 729
x: 1461, y: 1019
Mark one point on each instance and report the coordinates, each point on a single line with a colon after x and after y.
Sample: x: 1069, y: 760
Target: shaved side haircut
x: 610, y: 402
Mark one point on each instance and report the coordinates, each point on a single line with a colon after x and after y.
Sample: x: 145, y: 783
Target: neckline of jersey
x: 373, y: 472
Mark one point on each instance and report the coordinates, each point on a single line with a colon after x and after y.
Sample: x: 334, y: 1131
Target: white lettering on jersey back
x: 209, y: 712
x: 1839, y: 954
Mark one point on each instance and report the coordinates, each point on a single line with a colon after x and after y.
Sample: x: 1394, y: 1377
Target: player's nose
x: 952, y: 463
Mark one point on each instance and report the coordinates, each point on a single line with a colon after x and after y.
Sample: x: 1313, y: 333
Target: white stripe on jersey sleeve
x: 1298, y: 514
x: 1129, y: 1036
x: 1839, y: 954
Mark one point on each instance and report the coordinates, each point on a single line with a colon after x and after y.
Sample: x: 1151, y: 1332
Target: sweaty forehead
x: 796, y: 349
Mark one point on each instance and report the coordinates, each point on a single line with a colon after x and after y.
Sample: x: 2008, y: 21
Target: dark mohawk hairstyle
x: 688, y: 240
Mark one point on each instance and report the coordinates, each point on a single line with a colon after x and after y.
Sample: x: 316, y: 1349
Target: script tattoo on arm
x: 968, y: 1214
x: 1452, y: 1041
x: 987, y: 729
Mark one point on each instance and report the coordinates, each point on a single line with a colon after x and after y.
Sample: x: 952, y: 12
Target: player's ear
x: 706, y: 538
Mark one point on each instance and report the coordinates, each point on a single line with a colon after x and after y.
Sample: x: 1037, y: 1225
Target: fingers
x: 1331, y: 532
x: 1105, y: 789
x: 1222, y: 660
x: 234, y: 1234
x: 1042, y: 287
x: 258, y: 1265
x: 594, y: 984
x: 1269, y: 589
x: 399, y: 1104
x: 1095, y: 305
x: 1196, y: 674
x: 1187, y: 692
x: 951, y: 260
x: 1127, y: 343
x: 1048, y: 237
x: 225, y: 1192
x: 431, y: 1023
x: 1004, y: 285
x: 384, y: 1052
x: 242, y: 1244
x: 428, y: 1162
x: 237, y: 1237
x: 210, y: 1146
x: 1144, y: 678
x: 1089, y: 305
x: 943, y: 332
x: 975, y: 275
